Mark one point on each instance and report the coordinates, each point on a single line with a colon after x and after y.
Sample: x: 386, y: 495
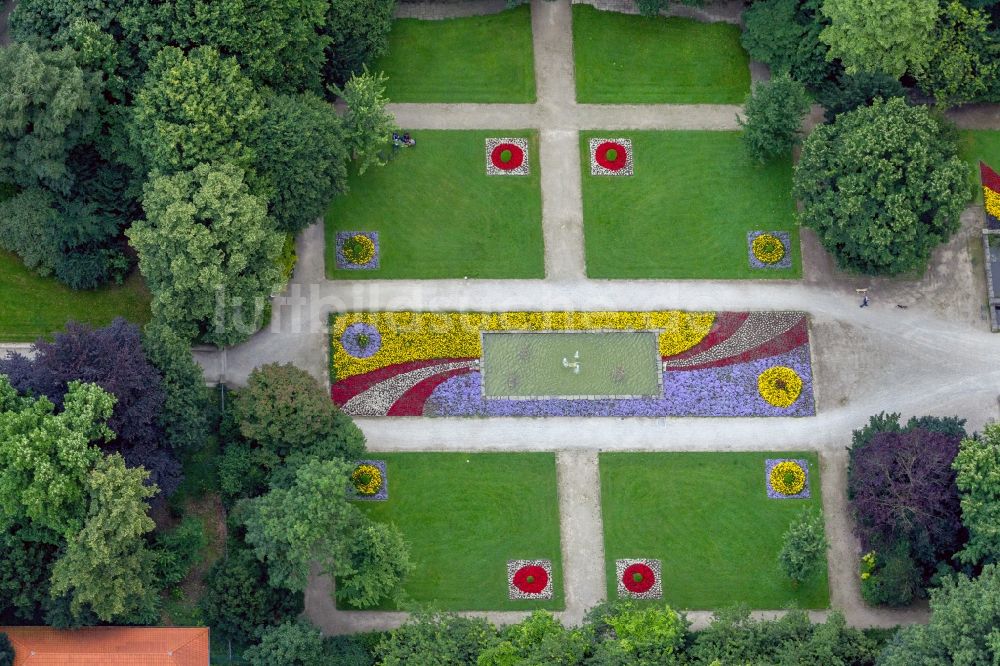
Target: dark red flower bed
x: 516, y: 156
x: 539, y: 579
x: 638, y: 586
x: 601, y: 155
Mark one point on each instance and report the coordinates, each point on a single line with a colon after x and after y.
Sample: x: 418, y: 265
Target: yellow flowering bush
x: 367, y: 479
x: 768, y: 249
x: 788, y: 478
x: 867, y: 565
x: 359, y: 249
x: 991, y: 200
x: 410, y: 336
x: 779, y: 386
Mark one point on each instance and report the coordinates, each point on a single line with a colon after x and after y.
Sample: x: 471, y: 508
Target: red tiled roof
x: 109, y: 646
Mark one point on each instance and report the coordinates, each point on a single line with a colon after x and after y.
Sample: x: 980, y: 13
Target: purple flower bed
x: 786, y: 242
x: 724, y: 391
x: 774, y: 494
x: 344, y: 263
x: 361, y: 340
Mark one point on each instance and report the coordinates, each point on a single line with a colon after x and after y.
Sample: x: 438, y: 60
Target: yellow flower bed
x: 411, y: 336
x: 780, y: 386
x: 373, y: 482
x: 991, y: 200
x: 359, y: 249
x: 768, y: 249
x: 788, y: 478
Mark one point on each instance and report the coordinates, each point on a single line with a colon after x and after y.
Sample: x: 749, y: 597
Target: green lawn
x: 464, y: 515
x: 439, y: 215
x: 707, y: 517
x: 976, y: 145
x: 687, y: 210
x: 624, y: 59
x: 34, y: 306
x: 475, y: 59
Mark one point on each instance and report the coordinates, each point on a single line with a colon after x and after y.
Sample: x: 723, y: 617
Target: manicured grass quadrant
x: 464, y: 515
x: 708, y: 518
x: 574, y: 364
x: 439, y: 215
x: 34, y: 306
x: 474, y: 59
x: 976, y: 145
x: 624, y: 59
x: 687, y: 210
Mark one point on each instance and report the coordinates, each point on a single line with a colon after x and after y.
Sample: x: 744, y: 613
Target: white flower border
x: 515, y: 593
x: 522, y: 170
x: 597, y: 170
x: 655, y: 592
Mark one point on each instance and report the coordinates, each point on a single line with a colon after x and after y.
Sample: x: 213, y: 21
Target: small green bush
x: 180, y: 549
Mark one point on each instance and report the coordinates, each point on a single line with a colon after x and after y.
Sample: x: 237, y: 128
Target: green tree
x: 359, y: 33
x: 208, y: 252
x: 45, y: 458
x: 289, y: 644
x: 640, y: 635
x: 239, y: 602
x: 179, y: 549
x: 539, y: 640
x: 27, y: 228
x: 882, y: 186
x: 773, y: 116
x: 289, y: 528
x: 6, y: 651
x: 803, y: 548
x: 27, y: 553
x: 278, y: 42
x: 435, y: 639
x: 854, y: 90
x: 960, y: 63
x: 367, y: 125
x: 964, y: 628
x: 48, y: 106
x: 376, y: 562
x: 195, y: 107
x: 784, y: 34
x: 303, y: 158
x: 284, y: 409
x: 891, y: 36
x: 183, y: 418
x: 977, y: 468
x: 107, y: 566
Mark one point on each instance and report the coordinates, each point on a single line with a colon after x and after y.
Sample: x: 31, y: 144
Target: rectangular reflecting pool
x: 573, y: 364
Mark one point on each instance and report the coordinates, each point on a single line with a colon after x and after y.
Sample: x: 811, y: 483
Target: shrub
x: 893, y: 578
x: 289, y: 644
x: 804, y: 547
x: 180, y: 549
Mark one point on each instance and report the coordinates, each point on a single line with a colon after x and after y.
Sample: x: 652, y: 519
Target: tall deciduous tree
x: 302, y: 155
x: 48, y: 105
x: 183, y: 416
x: 375, y: 564
x: 368, y: 126
x: 784, y: 34
x: 107, y: 566
x: 195, y: 107
x: 45, y: 458
x: 977, y: 468
x: 359, y: 33
x: 289, y: 644
x: 959, y: 67
x: 882, y: 186
x: 773, y: 116
x: 964, y: 627
x: 208, y: 252
x: 891, y: 36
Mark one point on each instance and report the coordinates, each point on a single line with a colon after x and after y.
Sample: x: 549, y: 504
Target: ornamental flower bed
x: 507, y: 157
x: 639, y: 579
x: 713, y: 364
x: 769, y: 249
x: 529, y: 579
x: 611, y: 157
x: 357, y: 250
x: 786, y: 478
x: 369, y: 481
x: 991, y: 195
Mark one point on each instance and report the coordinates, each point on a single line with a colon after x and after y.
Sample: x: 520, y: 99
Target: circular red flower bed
x: 513, y: 154
x: 638, y: 578
x: 531, y: 579
x: 614, y: 161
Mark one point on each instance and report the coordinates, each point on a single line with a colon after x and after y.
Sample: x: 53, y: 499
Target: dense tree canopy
x: 208, y: 252
x: 977, y: 475
x: 358, y: 32
x: 289, y: 644
x: 435, y: 639
x: 891, y: 36
x: 882, y: 186
x: 784, y: 34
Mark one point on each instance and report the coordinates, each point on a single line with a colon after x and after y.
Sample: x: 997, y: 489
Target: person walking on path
x: 864, y: 296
